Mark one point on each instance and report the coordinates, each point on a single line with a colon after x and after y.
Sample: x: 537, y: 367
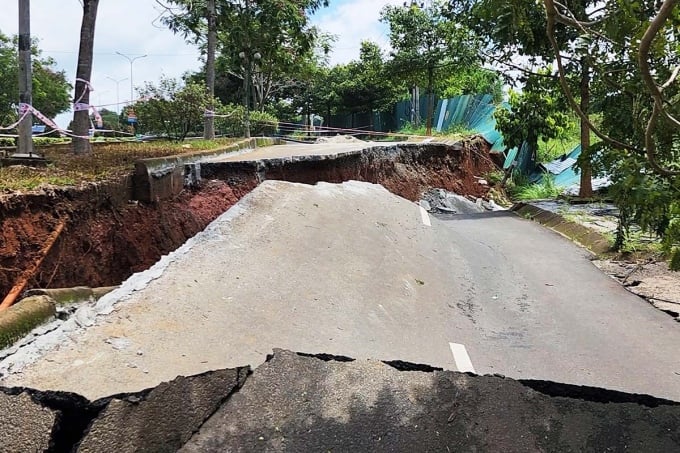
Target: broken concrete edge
x: 377, y: 150
x: 592, y: 240
x: 170, y: 413
x: 163, y: 177
x: 24, y: 316
x: 158, y: 164
x: 32, y: 347
x: 78, y: 422
x: 548, y: 388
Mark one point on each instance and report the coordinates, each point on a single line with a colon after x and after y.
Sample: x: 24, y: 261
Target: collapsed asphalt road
x: 297, y: 402
x: 353, y: 270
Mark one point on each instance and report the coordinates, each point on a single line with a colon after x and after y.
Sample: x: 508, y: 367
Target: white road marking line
x: 461, y: 357
x: 425, y: 216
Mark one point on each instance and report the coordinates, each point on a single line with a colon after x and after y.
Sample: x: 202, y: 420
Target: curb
x: 596, y: 242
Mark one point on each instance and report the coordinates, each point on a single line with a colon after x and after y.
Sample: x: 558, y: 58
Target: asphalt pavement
x: 354, y: 270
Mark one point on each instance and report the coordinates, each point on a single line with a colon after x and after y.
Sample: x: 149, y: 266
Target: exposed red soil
x: 105, y: 245
x: 107, y: 238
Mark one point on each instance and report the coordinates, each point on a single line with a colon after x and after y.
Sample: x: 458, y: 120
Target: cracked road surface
x: 354, y: 270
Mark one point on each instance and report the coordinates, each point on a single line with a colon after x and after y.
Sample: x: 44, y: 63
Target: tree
x: 621, y: 58
x: 367, y: 85
x: 536, y: 112
x: 50, y: 87
x: 276, y: 31
x: 517, y: 27
x: 81, y: 101
x: 472, y: 79
x: 425, y: 42
x: 635, y: 57
x: 173, y: 108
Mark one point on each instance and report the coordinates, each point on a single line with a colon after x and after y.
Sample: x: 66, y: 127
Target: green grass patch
x: 455, y: 131
x: 536, y: 191
x: 107, y: 161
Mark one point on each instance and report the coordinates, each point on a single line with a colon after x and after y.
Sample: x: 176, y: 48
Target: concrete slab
x: 354, y: 270
x: 163, y: 418
x: 26, y: 425
x: 290, y: 150
x: 295, y: 403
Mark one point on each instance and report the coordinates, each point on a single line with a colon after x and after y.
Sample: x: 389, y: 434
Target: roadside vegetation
x: 107, y: 161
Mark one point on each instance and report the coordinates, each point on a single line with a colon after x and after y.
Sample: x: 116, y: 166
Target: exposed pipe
x: 28, y: 273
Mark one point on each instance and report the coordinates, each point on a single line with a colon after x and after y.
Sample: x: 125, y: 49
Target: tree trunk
x: 430, y: 106
x: 417, y: 105
x: 81, y: 100
x: 209, y: 126
x: 586, y: 189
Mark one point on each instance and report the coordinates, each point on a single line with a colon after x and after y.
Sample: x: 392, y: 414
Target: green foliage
x: 278, y: 31
x: 537, y: 191
x: 536, y: 112
x: 232, y: 118
x: 472, y: 79
x: 428, y: 46
x: 172, y: 108
x: 366, y: 85
x: 565, y: 140
x: 645, y: 199
x: 454, y: 131
x: 51, y: 91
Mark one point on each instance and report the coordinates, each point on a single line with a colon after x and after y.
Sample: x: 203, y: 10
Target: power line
x: 70, y: 52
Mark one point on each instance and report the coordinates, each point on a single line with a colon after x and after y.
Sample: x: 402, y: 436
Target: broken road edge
x: 172, y: 415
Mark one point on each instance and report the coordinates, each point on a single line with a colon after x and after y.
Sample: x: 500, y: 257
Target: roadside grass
x: 107, y: 161
x: 456, y: 131
x: 639, y: 247
x: 523, y: 190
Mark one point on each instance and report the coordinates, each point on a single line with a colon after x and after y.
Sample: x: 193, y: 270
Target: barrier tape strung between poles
x: 78, y: 106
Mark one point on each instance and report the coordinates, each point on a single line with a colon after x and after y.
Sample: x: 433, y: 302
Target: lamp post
x: 245, y: 55
x: 131, y: 60
x: 117, y: 82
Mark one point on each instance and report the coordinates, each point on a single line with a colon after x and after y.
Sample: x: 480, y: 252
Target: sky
x: 131, y: 28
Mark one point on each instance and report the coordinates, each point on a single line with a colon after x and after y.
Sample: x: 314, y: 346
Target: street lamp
x: 117, y: 82
x: 131, y: 60
x: 245, y: 55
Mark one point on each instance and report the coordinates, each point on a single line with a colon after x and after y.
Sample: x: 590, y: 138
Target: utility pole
x: 246, y: 80
x: 25, y: 142
x: 209, y: 126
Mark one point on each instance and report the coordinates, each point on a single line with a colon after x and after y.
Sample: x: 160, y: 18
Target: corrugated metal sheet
x: 474, y: 112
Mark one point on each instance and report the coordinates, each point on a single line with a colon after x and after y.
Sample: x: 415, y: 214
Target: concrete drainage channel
x: 291, y: 404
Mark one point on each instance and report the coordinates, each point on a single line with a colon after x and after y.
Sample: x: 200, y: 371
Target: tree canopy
x: 51, y: 90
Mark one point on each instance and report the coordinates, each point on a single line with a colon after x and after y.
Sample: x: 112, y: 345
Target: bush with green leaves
x: 173, y: 108
x: 231, y: 121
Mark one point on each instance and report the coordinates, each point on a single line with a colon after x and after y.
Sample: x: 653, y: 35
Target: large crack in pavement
x: 314, y: 402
